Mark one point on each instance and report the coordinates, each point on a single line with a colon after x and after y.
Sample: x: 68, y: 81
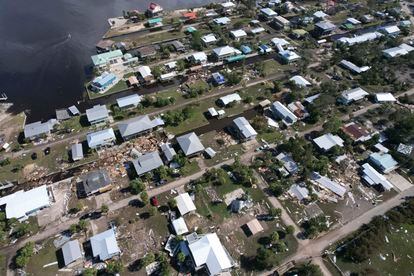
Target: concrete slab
x: 399, y: 182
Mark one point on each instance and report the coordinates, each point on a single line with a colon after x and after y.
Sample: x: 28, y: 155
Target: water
x: 45, y: 48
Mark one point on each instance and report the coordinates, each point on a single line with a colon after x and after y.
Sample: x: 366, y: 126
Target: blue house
x: 103, y: 82
x: 384, y: 161
x: 245, y: 49
x: 218, y: 78
x: 264, y: 49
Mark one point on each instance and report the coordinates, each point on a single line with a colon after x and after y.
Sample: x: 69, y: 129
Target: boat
x: 3, y: 97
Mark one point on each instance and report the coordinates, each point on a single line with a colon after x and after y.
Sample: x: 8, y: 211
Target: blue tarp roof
x: 218, y: 78
x: 245, y: 49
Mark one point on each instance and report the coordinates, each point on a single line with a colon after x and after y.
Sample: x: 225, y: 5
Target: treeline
x: 369, y: 239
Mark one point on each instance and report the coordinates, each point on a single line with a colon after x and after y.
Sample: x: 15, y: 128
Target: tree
x: 83, y: 225
x: 144, y: 197
x: 114, y: 267
x: 308, y: 270
x: 290, y: 229
x: 280, y: 246
x: 73, y: 228
x: 136, y: 186
x: 24, y: 254
x: 274, y: 237
x: 104, y: 208
x: 172, y: 203
x: 152, y: 211
x: 89, y: 271
x: 275, y: 212
x: 196, y: 43
x: 148, y: 259
x: 22, y: 229
x: 332, y: 125
x: 265, y: 259
x: 181, y: 257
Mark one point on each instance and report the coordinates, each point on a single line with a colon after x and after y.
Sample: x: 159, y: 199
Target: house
x: 210, y: 152
x: 264, y: 49
x: 71, y: 252
x: 190, y: 144
x: 105, y: 81
x: 282, y: 112
x: 208, y: 39
x: 373, y: 177
x: 383, y: 161
x: 384, y: 97
x: 198, y: 58
x: 405, y: 149
x: 243, y: 130
x: 168, y: 76
x: 133, y: 81
x: 281, y: 22
x: 77, y: 152
x: 349, y: 41
x: 94, y: 182
x: 222, y: 21
x: 299, y: 191
x: 218, y: 79
x: 356, y: 132
x: 367, y: 18
x: 224, y: 52
x: 154, y: 9
x: 74, y: 110
x: 145, y: 74
x: 298, y: 109
x: 62, y: 114
x: 36, y: 130
x: 402, y: 50
x: 146, y: 52
x: 245, y: 49
x: 207, y: 252
x: 328, y: 184
x: 354, y: 68
x: 267, y: 14
x: 104, y: 245
x: 258, y: 30
x: 254, y: 227
x: 168, y: 152
x: 279, y: 42
x: 392, y: 31
x: 104, y: 45
x: 185, y: 204
x: 178, y: 46
x: 352, y: 95
x: 353, y: 21
x: 155, y: 22
x: 227, y: 7
x: 328, y: 141
x: 288, y: 56
x: 238, y: 34
x: 105, y: 59
x: 212, y: 112
x: 189, y: 16
x: 147, y: 162
x: 131, y: 101
x: 288, y: 163
x: 179, y: 225
x: 324, y: 28
x: 319, y: 15
x: 226, y: 100
x: 101, y: 138
x: 22, y: 204
x: 97, y: 114
x: 129, y: 60
x: 299, y: 81
x: 170, y: 66
x: 135, y: 127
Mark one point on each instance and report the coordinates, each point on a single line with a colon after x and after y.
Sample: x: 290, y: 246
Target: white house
x: 352, y: 95
x: 238, y: 34
x: 385, y: 97
x: 328, y: 141
x: 282, y: 112
x: 208, y: 39
x: 184, y: 203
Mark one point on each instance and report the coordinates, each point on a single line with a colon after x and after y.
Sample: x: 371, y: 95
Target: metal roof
x: 222, y: 20
x: 385, y: 97
x: 384, y: 161
x: 375, y: 178
x: 179, y: 225
x: 104, y: 58
x: 354, y: 94
x: 327, y: 183
x: 328, y: 141
x: 289, y: 164
x: 282, y: 112
x: 299, y: 192
x: 238, y: 33
x: 74, y: 110
x: 209, y: 38
x: 36, y: 129
x: 230, y: 98
x: 190, y: 143
x: 100, y: 138
x: 225, y: 50
x: 360, y: 38
x: 71, y: 252
x: 268, y: 12
x: 133, y: 99
x: 135, y: 125
x: 95, y: 180
x: 244, y: 127
x: 184, y: 203
x: 147, y: 162
x: 354, y: 68
x: 104, y: 245
x: 77, y: 152
x: 97, y: 112
x: 300, y: 81
x: 168, y: 150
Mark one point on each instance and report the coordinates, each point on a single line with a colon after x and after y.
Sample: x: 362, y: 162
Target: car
x: 34, y: 156
x: 154, y: 201
x: 91, y: 216
x: 47, y: 151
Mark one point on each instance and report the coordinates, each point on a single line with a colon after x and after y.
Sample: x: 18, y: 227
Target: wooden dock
x: 3, y: 97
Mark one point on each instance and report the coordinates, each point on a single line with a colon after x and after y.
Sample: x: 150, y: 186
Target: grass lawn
x: 401, y: 245
x: 270, y: 137
x: 190, y: 168
x: 271, y: 66
x: 45, y: 256
x: 3, y: 264
x: 217, y: 211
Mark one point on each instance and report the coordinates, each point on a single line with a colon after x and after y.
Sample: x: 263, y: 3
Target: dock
x: 3, y: 97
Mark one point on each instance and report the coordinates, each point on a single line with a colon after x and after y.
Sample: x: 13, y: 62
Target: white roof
x: 97, y: 112
x: 283, y: 113
x: 133, y: 99
x: 171, y: 64
x: 209, y: 38
x: 71, y: 252
x: 168, y: 76
x: 180, y: 227
x: 374, y: 178
x: 353, y: 21
x: 329, y: 184
x: 279, y: 41
x: 299, y: 192
x: 100, y: 138
x: 401, y: 50
x: 289, y: 55
x: 354, y: 94
x: 319, y: 14
x: 360, y: 38
x: 22, y: 203
x: 212, y: 111
x: 223, y: 51
x: 144, y: 71
x: 199, y: 56
x: 209, y: 251
x: 238, y: 33
x: 104, y: 245
x: 210, y: 152
x: 228, y: 4
x: 385, y: 97
x: 300, y: 81
x: 244, y: 127
x: 328, y: 141
x: 184, y: 203
x: 222, y: 20
x: 354, y: 68
x: 268, y: 12
x: 230, y: 98
x: 190, y: 143
x: 257, y: 30
x: 391, y: 29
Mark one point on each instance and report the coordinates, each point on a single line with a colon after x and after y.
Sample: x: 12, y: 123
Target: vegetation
x: 136, y: 186
x: 24, y: 254
x: 314, y: 226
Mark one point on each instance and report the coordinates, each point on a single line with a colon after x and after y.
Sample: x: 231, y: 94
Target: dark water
x: 45, y: 48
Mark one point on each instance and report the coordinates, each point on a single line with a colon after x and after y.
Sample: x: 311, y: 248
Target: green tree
x: 290, y: 229
x: 73, y: 228
x: 89, y: 271
x: 148, y: 259
x: 275, y: 212
x: 83, y: 225
x: 24, y: 254
x: 180, y: 257
x: 196, y: 42
x: 152, y: 211
x: 136, y: 186
x: 265, y: 259
x: 22, y: 230
x: 114, y: 267
x: 104, y: 208
x: 274, y: 237
x: 144, y: 197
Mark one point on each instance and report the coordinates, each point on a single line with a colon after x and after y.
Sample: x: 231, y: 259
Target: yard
x: 46, y: 255
x: 121, y: 85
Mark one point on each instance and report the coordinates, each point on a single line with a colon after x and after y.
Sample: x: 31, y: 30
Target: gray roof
x: 147, y: 162
x: 74, y: 110
x: 98, y: 112
x: 104, y: 245
x: 135, y: 125
x: 100, y: 138
x: 190, y: 143
x: 283, y: 113
x: 244, y: 127
x: 77, y: 151
x: 133, y: 99
x: 169, y: 151
x: 62, y: 114
x: 289, y: 164
x: 71, y: 252
x: 325, y: 25
x: 95, y: 180
x: 38, y: 128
